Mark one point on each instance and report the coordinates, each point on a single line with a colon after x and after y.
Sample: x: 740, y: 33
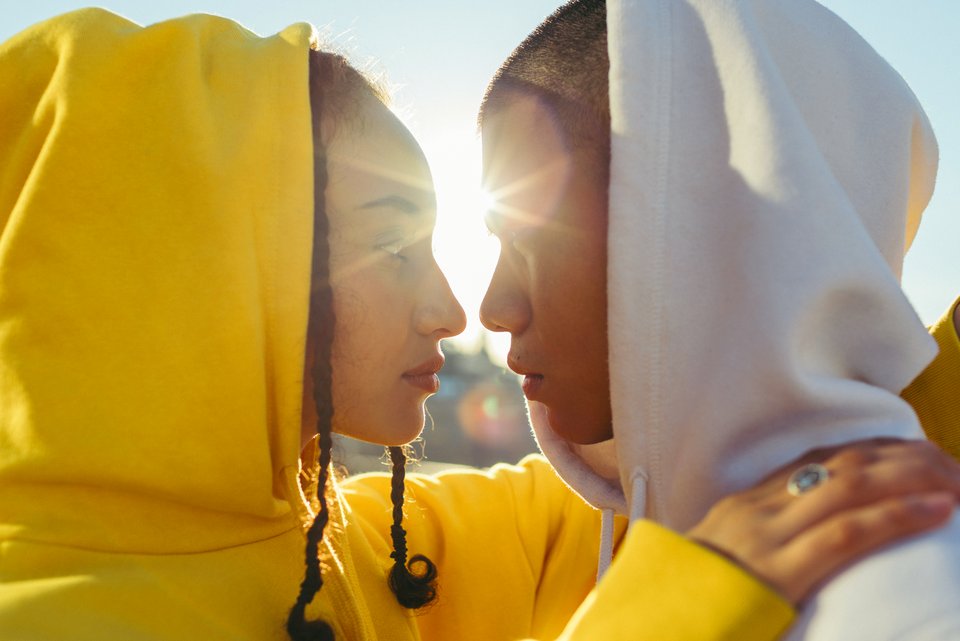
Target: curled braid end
x: 300, y: 629
x: 413, y: 583
x: 414, y: 589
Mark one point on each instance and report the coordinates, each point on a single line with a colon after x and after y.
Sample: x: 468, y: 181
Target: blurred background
x: 436, y: 57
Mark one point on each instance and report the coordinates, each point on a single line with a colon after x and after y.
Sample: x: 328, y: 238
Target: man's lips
x: 424, y: 375
x: 531, y: 385
x: 532, y: 381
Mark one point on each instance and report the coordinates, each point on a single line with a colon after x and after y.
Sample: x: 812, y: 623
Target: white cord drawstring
x: 638, y: 509
x: 638, y: 500
x: 606, y: 542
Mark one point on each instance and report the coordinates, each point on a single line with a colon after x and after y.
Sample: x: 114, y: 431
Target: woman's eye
x: 394, y: 249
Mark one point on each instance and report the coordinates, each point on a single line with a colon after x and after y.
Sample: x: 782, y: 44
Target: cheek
x: 363, y: 329
x: 568, y: 287
x: 371, y: 401
x: 368, y: 341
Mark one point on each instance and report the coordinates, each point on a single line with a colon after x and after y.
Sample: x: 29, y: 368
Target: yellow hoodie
x: 155, y: 200
x: 155, y: 224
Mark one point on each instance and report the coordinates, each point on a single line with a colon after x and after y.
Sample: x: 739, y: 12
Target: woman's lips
x: 427, y: 382
x: 531, y: 385
x: 424, y: 375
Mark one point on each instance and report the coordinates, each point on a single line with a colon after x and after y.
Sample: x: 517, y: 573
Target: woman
x: 214, y: 244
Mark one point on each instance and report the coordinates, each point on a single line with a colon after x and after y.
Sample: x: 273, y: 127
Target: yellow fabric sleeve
x: 663, y: 587
x: 935, y: 394
x: 516, y: 552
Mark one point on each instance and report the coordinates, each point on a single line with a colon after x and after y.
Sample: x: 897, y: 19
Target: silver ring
x: 806, y: 478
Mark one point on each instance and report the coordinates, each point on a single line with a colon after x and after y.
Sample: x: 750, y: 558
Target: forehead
x: 520, y: 135
x: 374, y: 156
x: 528, y: 170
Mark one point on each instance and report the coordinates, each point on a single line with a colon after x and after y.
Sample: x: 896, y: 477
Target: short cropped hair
x: 563, y: 62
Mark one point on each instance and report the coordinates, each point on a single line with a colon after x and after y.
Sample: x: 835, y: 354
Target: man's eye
x: 517, y: 238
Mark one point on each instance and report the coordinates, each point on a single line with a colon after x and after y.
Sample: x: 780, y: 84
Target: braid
x: 320, y: 324
x: 412, y: 590
x: 298, y: 627
x: 334, y: 85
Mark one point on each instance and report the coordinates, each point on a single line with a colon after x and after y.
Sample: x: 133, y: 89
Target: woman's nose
x: 441, y: 313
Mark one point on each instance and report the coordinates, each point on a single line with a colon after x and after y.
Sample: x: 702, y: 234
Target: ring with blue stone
x: 806, y: 478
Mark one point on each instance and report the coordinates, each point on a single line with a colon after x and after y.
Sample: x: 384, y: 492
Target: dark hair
x: 335, y: 86
x: 563, y: 62
x: 413, y: 590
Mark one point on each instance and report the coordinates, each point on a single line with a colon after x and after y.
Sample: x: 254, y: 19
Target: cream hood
x: 768, y: 172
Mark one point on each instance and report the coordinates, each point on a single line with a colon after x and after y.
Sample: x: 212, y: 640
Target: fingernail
x: 934, y: 503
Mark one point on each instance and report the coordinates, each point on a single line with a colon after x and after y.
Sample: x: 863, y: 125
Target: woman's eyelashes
x: 395, y: 250
x: 411, y: 244
x: 398, y: 245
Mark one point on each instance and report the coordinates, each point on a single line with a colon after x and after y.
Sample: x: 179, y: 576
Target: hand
x: 879, y: 491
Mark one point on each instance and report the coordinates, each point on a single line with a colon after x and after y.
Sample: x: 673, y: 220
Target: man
x: 760, y: 200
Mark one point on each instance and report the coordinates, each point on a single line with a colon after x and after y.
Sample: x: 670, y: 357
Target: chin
x: 391, y: 428
x: 578, y: 428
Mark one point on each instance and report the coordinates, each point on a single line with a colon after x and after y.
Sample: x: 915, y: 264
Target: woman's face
x: 392, y: 303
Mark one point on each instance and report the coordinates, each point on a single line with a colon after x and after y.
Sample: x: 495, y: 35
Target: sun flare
x: 464, y: 249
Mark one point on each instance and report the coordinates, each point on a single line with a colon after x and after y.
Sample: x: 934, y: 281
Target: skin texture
x: 878, y: 491
x: 393, y: 305
x: 549, y: 293
x: 549, y: 287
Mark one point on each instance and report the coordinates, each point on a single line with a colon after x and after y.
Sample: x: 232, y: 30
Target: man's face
x: 549, y: 287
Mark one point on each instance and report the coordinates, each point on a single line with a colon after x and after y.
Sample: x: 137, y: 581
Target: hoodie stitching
x: 662, y: 95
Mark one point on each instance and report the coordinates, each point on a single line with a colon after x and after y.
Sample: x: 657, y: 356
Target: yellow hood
x: 156, y: 197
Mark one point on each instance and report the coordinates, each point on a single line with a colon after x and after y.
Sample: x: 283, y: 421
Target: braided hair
x: 333, y: 83
x: 413, y: 590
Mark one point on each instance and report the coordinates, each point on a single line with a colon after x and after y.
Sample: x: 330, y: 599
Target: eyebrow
x: 395, y: 202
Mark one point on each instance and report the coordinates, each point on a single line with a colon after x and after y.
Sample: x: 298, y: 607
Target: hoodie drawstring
x: 606, y: 542
x: 638, y: 509
x: 638, y: 499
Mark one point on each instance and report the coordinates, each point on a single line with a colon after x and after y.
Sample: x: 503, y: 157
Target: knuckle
x: 926, y: 448
x: 924, y: 452
x: 853, y: 457
x: 852, y: 482
x: 844, y: 535
x: 929, y: 474
x: 901, y: 512
x: 725, y: 506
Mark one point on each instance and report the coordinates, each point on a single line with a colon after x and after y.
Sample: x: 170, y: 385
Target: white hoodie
x: 768, y: 172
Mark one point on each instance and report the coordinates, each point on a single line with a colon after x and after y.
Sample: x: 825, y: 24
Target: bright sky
x: 438, y: 55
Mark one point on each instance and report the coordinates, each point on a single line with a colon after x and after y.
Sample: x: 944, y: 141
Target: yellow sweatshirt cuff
x: 935, y: 394
x: 664, y: 587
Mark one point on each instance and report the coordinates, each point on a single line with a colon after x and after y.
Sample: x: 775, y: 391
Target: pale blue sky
x: 438, y: 55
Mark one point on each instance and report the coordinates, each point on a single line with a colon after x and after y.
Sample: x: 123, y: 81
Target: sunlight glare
x: 465, y: 251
